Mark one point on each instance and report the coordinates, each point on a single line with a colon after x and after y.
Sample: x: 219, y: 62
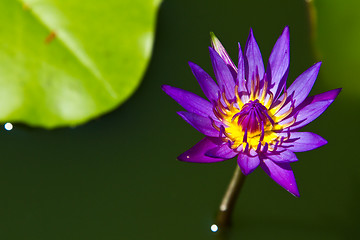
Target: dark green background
x: 117, y: 177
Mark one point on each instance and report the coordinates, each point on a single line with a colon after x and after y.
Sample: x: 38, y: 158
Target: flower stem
x: 223, y: 218
x: 312, y: 22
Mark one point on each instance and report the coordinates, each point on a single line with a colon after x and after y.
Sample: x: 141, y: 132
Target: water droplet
x: 8, y: 126
x: 214, y: 228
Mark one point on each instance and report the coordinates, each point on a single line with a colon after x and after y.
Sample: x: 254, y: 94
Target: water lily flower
x: 250, y: 113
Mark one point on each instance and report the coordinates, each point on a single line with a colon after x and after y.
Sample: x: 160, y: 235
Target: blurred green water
x: 117, y: 177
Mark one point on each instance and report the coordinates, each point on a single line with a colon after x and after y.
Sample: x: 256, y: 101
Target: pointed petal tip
x: 293, y: 189
x: 316, y: 65
x: 165, y: 87
x: 286, y: 30
x: 302, y: 141
x: 248, y: 163
x: 312, y: 107
x: 285, y: 34
x: 282, y: 174
x: 330, y: 95
x: 196, y: 154
x: 242, y: 169
x: 315, y: 68
x: 215, y: 42
x: 251, y: 31
x: 320, y: 140
x: 337, y: 90
x: 246, y: 171
x: 207, y: 84
x: 250, y: 37
x: 294, y: 192
x: 182, y: 158
x: 192, y: 65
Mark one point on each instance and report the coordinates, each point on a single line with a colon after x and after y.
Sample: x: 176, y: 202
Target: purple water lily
x: 250, y: 113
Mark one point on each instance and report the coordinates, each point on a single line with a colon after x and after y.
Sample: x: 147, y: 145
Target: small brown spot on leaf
x: 50, y: 37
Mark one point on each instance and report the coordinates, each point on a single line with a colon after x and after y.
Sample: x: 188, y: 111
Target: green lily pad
x: 63, y: 62
x: 338, y: 38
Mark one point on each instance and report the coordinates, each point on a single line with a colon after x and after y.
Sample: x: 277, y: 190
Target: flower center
x: 247, y: 124
x: 253, y: 117
x: 250, y: 127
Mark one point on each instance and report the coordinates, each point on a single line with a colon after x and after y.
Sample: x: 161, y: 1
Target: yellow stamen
x: 227, y: 134
x: 238, y: 100
x: 217, y: 114
x: 225, y: 99
x: 281, y: 127
x: 214, y: 125
x: 221, y: 109
x: 257, y: 92
x: 252, y: 91
x: 263, y: 94
x: 232, y: 108
x: 275, y: 109
x: 282, y: 116
x: 268, y: 104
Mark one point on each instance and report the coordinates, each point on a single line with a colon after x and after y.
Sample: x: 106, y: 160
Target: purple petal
x: 282, y: 174
x: 278, y: 66
x: 282, y: 155
x: 243, y: 92
x: 301, y: 87
x: 329, y: 95
x: 218, y: 47
x: 197, y: 152
x: 200, y: 123
x: 248, y: 162
x: 241, y: 68
x: 222, y: 73
x: 222, y: 151
x: 302, y: 141
x: 312, y: 108
x: 190, y: 101
x: 207, y: 84
x: 253, y: 62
